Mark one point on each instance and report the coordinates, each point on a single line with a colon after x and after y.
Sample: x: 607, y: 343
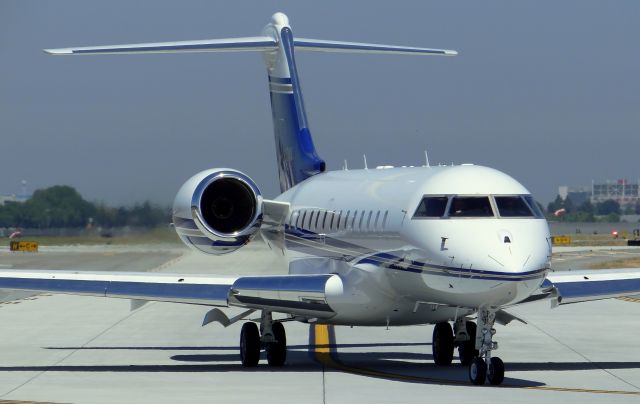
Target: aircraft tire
x: 443, y: 344
x: 495, y: 375
x: 277, y: 351
x: 249, y: 345
x: 467, y: 349
x: 477, y: 371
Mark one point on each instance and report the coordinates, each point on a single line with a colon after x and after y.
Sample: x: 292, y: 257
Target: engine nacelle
x: 218, y: 211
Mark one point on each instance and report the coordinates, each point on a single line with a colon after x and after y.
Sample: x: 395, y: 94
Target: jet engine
x: 217, y: 211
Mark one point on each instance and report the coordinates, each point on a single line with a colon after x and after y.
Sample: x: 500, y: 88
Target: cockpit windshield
x: 432, y: 206
x: 480, y: 206
x: 470, y: 206
x: 512, y: 206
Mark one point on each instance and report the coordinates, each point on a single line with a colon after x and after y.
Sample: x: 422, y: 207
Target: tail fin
x: 297, y: 156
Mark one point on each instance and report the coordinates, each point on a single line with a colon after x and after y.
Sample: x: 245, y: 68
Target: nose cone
x: 521, y: 246
x: 486, y: 261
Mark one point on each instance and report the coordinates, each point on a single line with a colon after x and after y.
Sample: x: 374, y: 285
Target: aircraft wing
x: 575, y: 286
x: 303, y: 295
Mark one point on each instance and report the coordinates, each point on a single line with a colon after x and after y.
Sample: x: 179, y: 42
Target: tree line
x: 609, y: 210
x: 63, y: 206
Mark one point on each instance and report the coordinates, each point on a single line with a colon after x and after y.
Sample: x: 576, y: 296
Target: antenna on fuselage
x: 426, y: 157
x: 365, y: 161
x: 345, y: 167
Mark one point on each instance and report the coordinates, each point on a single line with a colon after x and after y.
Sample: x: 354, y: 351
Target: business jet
x: 370, y: 247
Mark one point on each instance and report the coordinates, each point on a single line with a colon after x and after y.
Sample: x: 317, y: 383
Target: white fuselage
x: 400, y: 267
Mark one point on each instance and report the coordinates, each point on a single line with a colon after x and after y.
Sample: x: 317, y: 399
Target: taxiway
x: 57, y: 348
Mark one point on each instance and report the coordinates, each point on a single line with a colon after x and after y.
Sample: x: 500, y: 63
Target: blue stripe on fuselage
x: 387, y: 260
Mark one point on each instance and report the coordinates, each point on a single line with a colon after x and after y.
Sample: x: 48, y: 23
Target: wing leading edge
x: 586, y: 285
x: 301, y: 295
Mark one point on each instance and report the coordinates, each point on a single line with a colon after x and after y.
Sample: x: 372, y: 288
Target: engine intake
x: 218, y: 211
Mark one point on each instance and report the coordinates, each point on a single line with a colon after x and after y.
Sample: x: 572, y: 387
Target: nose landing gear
x: 484, y: 367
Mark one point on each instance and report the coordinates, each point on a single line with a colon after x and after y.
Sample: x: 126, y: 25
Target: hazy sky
x: 547, y: 91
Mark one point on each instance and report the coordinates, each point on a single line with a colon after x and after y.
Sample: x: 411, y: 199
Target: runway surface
x: 56, y: 348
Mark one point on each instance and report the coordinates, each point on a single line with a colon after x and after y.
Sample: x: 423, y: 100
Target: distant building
x: 621, y: 191
x: 577, y: 195
x: 7, y: 198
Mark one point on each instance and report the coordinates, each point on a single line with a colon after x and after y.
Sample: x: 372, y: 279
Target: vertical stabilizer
x: 297, y: 156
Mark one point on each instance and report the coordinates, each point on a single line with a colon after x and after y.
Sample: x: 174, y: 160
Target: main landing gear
x: 445, y: 339
x: 474, y: 349
x: 271, y: 336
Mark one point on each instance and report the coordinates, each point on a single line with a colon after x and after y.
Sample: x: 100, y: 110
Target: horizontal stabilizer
x: 256, y: 43
x: 321, y: 45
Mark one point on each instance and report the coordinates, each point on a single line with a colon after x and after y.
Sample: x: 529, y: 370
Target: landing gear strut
x: 484, y: 366
x: 466, y: 340
x: 271, y: 336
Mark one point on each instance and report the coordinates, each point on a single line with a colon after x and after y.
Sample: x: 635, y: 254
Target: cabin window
x: 470, y: 206
x: 353, y: 222
x: 432, y: 206
x: 297, y: 219
x: 346, y: 219
x: 304, y: 216
x: 324, y: 220
x: 333, y: 216
x: 369, y: 219
x: 311, y: 217
x: 384, y: 219
x: 338, y: 221
x: 512, y: 206
x: 317, y: 218
x: 360, y: 222
x: 375, y: 224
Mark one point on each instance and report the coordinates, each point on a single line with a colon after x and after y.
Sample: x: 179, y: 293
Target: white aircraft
x: 371, y: 247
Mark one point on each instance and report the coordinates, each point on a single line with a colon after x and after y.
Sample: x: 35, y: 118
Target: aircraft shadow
x: 232, y: 348
x: 410, y: 367
x: 192, y: 368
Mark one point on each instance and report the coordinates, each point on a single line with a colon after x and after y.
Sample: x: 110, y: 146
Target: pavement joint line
x: 323, y: 338
x: 167, y: 264
x: 59, y: 361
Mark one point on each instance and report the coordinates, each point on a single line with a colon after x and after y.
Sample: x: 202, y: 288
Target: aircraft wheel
x: 477, y: 371
x: 277, y: 351
x: 249, y: 345
x: 496, y: 371
x: 442, y: 344
x: 467, y: 349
